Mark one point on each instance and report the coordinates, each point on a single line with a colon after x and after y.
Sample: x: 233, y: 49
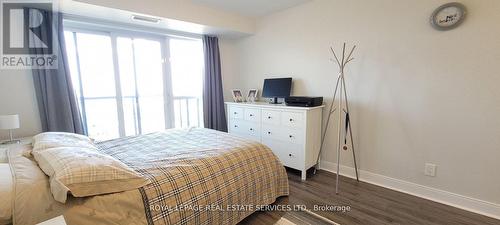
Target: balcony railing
x: 188, y: 111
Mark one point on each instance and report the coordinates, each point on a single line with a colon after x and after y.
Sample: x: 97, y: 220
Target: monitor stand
x: 274, y: 100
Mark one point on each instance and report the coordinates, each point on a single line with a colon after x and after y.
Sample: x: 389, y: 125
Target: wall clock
x: 448, y: 16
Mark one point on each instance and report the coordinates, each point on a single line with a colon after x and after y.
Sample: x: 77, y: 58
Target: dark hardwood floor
x: 369, y: 204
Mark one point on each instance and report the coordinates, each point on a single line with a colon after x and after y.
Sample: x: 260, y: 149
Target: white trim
x: 168, y: 90
x: 482, y: 207
x: 118, y: 86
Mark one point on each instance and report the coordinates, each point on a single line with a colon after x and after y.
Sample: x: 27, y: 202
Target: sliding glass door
x: 142, y: 84
x: 135, y: 84
x: 94, y: 82
x: 186, y: 60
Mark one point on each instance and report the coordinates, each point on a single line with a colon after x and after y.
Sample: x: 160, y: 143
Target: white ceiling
x: 252, y: 8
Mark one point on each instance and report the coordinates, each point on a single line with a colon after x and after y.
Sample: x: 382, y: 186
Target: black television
x: 277, y: 88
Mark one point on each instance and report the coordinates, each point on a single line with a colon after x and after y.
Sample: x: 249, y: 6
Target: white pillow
x: 85, y: 172
x: 49, y: 140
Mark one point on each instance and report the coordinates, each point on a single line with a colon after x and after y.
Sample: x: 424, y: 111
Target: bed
x: 196, y: 176
x: 5, y: 193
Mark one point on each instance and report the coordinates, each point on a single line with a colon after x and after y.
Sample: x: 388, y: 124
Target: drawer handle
x: 269, y: 117
x: 291, y: 136
x: 235, y: 125
x: 235, y: 113
x: 251, y: 129
x: 290, y: 155
x: 291, y: 120
x: 251, y: 114
x: 269, y: 132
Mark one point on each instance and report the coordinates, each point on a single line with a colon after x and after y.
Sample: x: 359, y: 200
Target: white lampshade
x: 8, y: 122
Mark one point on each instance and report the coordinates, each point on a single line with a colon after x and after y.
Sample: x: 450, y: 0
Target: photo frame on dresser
x: 237, y: 95
x: 252, y: 95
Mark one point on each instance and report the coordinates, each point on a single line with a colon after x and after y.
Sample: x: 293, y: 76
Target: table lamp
x: 9, y: 122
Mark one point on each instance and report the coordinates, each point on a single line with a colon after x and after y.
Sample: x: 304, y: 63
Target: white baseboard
x: 463, y: 202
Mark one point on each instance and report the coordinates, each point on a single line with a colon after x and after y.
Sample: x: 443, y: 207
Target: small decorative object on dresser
x: 292, y: 133
x: 252, y: 95
x: 9, y: 122
x: 237, y: 96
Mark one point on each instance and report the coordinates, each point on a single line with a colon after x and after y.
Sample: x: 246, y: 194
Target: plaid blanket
x: 201, y: 176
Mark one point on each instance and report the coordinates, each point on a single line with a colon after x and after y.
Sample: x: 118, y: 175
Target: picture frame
x: 237, y: 95
x: 252, y: 95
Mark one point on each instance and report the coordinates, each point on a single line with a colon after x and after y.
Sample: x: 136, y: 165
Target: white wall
x: 17, y: 96
x: 417, y: 95
x: 229, y: 66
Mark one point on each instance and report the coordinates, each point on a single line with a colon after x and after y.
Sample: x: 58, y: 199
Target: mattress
x: 197, y: 176
x: 6, y: 191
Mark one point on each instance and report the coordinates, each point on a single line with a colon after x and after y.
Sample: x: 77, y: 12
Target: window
x: 143, y: 96
x: 186, y: 59
x: 125, y: 85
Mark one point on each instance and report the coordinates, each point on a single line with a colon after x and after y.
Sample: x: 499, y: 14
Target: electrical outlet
x: 430, y: 170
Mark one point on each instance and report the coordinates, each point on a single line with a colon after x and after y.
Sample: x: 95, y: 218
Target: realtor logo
x: 28, y: 35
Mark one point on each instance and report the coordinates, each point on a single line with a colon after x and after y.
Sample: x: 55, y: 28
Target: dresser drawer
x: 271, y: 117
x: 292, y: 156
x: 292, y: 119
x: 252, y: 129
x: 293, y: 136
x: 236, y: 126
x: 271, y: 132
x: 236, y: 112
x: 282, y: 133
x: 245, y: 129
x: 275, y: 146
x: 252, y: 114
x: 289, y: 154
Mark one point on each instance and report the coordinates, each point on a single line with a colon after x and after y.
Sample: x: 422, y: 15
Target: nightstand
x: 3, y: 148
x: 54, y: 221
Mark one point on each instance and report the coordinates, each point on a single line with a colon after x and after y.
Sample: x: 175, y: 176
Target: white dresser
x: 293, y: 133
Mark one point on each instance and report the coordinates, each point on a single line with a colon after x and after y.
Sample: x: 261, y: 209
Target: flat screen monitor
x: 277, y: 88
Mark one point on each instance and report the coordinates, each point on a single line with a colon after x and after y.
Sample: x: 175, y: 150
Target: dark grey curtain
x: 57, y: 103
x: 214, y: 114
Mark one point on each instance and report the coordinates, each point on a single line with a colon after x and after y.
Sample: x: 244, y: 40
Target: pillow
x: 85, y: 172
x: 49, y: 140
